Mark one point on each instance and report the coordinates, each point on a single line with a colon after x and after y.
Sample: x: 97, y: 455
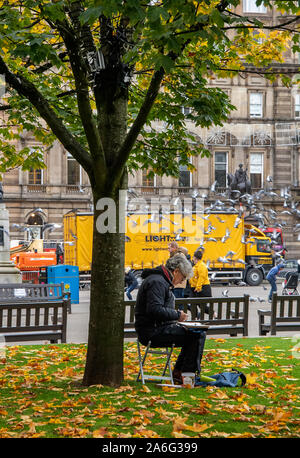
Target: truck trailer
x: 233, y: 249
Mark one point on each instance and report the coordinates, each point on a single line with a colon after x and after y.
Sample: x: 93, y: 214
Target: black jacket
x: 130, y: 279
x: 155, y: 303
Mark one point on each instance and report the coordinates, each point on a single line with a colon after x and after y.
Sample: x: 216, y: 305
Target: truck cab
x: 258, y: 256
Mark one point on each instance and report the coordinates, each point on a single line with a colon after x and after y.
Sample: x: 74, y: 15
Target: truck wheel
x: 254, y: 277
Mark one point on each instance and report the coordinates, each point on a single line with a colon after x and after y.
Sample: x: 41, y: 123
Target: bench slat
x: 46, y: 315
x: 19, y: 316
x: 37, y: 316
x: 9, y: 318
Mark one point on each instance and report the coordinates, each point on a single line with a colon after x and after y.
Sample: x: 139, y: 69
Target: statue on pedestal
x: 239, y: 182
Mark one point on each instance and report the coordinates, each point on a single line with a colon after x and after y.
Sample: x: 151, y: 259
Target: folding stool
x: 167, y: 351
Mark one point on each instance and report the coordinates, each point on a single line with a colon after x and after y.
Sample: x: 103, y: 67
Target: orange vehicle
x: 33, y: 261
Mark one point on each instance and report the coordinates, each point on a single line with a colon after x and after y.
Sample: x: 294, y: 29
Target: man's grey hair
x: 179, y: 261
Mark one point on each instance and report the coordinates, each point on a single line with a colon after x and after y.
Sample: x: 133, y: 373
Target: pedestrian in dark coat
x: 271, y: 277
x: 131, y: 282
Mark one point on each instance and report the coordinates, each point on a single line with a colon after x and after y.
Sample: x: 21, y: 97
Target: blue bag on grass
x: 224, y: 379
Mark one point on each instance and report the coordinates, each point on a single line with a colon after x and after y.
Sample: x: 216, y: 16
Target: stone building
x: 40, y: 197
x: 263, y: 134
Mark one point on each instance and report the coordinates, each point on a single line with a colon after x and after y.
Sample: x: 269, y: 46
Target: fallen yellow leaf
x: 146, y: 389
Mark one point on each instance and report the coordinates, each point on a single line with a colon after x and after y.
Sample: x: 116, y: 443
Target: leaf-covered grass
x: 41, y: 395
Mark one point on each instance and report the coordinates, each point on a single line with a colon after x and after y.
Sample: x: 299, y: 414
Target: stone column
x: 9, y: 273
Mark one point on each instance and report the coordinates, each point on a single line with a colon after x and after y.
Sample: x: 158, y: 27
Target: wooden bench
x: 20, y: 292
x: 231, y: 314
x: 284, y: 315
x: 26, y: 321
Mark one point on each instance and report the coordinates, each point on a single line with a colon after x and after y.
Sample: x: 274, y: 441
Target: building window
x: 35, y: 176
x: 256, y: 170
x: 221, y: 169
x: 148, y: 180
x: 2, y: 88
x: 297, y: 106
x: 186, y: 110
x: 257, y: 37
x: 256, y: 105
x: 250, y: 6
x: 73, y: 171
x: 185, y: 177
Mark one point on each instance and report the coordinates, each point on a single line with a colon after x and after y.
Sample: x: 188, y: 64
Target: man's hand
x: 183, y: 316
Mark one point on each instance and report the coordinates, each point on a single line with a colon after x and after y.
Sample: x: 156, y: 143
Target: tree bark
x: 104, y: 362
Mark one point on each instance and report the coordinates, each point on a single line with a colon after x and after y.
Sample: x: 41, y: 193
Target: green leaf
x: 90, y: 15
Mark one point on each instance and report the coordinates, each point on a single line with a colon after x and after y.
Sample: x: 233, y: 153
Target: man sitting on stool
x: 157, y: 320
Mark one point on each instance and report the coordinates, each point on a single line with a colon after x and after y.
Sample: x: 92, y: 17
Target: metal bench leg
x: 141, y: 361
x: 168, y: 352
x: 168, y: 363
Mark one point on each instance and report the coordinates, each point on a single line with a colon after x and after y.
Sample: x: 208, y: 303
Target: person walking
x: 179, y: 290
x: 131, y: 282
x: 200, y: 284
x: 173, y: 248
x: 271, y: 277
x: 156, y: 319
x: 187, y: 290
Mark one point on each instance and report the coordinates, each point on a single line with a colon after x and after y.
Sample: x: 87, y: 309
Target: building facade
x: 263, y: 134
x: 39, y: 198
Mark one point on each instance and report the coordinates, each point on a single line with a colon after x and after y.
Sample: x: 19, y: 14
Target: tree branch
x: 5, y: 107
x: 139, y: 120
x: 73, y: 42
x: 28, y: 90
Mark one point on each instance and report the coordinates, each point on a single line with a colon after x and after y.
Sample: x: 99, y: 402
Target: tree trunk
x: 104, y: 362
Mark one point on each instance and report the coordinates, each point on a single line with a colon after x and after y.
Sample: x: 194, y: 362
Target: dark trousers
x: 178, y: 292
x: 191, y: 342
x: 273, y: 289
x: 205, y: 292
x: 130, y: 289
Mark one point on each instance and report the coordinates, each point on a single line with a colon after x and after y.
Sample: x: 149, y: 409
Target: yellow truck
x: 233, y: 249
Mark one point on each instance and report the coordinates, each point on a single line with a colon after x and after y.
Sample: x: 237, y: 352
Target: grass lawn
x: 41, y: 395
